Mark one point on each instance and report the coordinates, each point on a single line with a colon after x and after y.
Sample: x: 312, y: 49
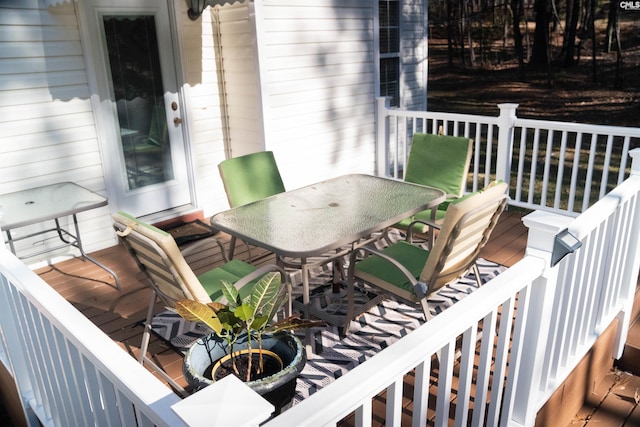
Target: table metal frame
x: 328, y: 219
x: 38, y: 205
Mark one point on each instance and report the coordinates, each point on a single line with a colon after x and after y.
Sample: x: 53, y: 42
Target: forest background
x: 566, y: 60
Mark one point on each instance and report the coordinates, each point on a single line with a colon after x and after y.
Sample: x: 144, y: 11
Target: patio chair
x: 249, y: 178
x: 171, y: 279
x: 439, y: 161
x: 411, y: 273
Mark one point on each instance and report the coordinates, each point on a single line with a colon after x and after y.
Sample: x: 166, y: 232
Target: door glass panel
x: 137, y: 85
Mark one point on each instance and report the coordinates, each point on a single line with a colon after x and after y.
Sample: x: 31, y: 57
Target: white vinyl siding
x: 318, y: 85
x: 300, y: 81
x: 239, y: 59
x: 46, y: 121
x: 202, y: 87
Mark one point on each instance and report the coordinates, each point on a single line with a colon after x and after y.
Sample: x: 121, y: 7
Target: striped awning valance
x: 56, y: 2
x: 194, y: 2
x: 197, y: 6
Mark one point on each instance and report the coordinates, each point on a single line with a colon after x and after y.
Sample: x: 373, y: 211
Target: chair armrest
x: 420, y: 221
x: 375, y: 251
x: 259, y: 272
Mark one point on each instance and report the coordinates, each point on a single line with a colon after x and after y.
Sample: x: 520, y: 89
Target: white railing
x: 550, y: 316
x: 66, y: 370
x: 555, y: 166
x: 485, y: 318
x: 539, y: 318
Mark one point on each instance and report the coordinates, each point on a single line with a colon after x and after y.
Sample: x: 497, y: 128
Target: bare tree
x: 571, y: 31
x: 540, y: 56
x: 613, y: 35
x: 517, y: 8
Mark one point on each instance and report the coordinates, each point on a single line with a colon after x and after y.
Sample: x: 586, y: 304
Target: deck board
x: 119, y: 313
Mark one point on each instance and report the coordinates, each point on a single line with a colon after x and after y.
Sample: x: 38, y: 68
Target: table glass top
x: 311, y: 220
x: 48, y: 202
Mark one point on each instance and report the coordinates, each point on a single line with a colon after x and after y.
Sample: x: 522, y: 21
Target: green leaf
x: 271, y: 308
x: 195, y: 311
x: 231, y: 294
x: 259, y: 322
x: 292, y: 323
x: 229, y: 320
x: 244, y: 312
x: 265, y: 292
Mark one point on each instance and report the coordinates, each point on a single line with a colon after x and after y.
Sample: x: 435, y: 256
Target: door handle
x: 177, y: 121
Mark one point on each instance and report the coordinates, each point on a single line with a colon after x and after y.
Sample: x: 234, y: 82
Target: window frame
x: 383, y: 81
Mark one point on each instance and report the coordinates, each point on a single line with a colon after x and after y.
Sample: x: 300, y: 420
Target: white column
x: 543, y: 227
x: 382, y: 135
x: 505, y: 143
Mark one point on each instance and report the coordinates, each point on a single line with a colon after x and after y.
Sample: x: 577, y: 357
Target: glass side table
x: 50, y: 203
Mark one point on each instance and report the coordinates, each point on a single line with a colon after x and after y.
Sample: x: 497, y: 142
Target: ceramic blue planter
x: 278, y: 389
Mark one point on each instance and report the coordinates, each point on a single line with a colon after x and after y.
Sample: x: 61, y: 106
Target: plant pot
x: 272, y: 363
x: 279, y: 389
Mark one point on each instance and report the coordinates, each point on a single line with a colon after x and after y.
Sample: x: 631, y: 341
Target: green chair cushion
x: 423, y: 216
x: 230, y: 272
x: 426, y: 215
x: 413, y: 258
x: 250, y: 177
x: 439, y: 161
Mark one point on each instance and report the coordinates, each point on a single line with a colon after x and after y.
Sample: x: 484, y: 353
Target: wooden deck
x: 119, y: 312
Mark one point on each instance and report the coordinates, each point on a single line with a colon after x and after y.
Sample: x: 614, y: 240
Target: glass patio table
x: 50, y: 203
x: 324, y: 218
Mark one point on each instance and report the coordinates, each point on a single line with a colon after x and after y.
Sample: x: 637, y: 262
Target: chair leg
x: 177, y: 387
x: 425, y: 309
x: 232, y: 247
x: 144, y: 346
x: 147, y: 327
x: 476, y: 273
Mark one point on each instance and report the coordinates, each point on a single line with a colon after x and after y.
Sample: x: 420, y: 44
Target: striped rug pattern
x: 375, y: 330
x: 370, y: 333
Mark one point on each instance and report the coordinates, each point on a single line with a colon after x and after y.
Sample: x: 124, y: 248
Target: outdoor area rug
x: 376, y: 330
x: 372, y: 332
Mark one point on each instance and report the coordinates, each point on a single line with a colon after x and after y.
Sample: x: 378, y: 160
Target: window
x: 389, y: 22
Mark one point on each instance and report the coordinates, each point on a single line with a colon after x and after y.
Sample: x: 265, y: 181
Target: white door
x: 140, y: 105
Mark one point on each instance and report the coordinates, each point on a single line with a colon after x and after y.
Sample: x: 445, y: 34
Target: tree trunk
x: 540, y: 55
x: 450, y: 35
x: 593, y: 40
x: 612, y: 23
x: 469, y: 14
x: 571, y: 30
x: 517, y: 7
x: 462, y: 19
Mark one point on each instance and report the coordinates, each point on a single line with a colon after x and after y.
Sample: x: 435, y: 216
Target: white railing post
x: 635, y: 161
x: 630, y: 273
x: 505, y: 143
x: 521, y: 400
x: 228, y: 402
x: 382, y: 135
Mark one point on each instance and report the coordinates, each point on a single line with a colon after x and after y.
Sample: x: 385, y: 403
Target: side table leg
x: 78, y: 244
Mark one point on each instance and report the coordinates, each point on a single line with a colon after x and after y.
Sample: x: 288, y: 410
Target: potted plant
x: 245, y: 343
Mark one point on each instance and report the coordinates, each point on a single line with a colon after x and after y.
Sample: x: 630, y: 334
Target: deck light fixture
x: 196, y: 9
x: 564, y: 244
